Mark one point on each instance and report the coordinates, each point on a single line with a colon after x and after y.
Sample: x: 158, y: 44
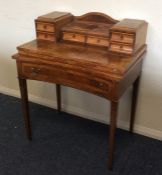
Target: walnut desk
x: 94, y: 64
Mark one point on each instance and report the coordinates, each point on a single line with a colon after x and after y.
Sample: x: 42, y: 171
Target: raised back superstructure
x: 96, y: 29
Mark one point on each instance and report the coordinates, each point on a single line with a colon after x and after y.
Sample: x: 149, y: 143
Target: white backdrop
x: 17, y: 26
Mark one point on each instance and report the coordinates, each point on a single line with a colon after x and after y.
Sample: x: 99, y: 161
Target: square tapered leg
x: 113, y: 120
x: 25, y: 106
x: 58, y: 95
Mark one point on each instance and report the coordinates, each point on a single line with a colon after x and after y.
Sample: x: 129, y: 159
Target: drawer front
x: 123, y: 48
x: 67, y: 78
x: 46, y: 27
x: 46, y: 36
x: 122, y: 37
x: 98, y: 41
x: 74, y: 37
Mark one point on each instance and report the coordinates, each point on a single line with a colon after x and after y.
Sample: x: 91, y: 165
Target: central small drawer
x: 73, y: 37
x: 46, y: 27
x: 98, y: 41
x: 66, y: 77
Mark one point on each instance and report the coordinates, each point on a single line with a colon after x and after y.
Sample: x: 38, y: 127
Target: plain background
x: 17, y: 27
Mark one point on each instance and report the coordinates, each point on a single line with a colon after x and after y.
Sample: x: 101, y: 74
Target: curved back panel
x: 97, y: 17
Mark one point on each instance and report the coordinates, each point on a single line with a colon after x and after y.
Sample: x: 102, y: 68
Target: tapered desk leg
x: 58, y: 94
x: 25, y: 106
x: 134, y: 103
x: 113, y: 120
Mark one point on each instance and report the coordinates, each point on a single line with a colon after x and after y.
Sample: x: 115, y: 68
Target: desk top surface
x: 88, y: 55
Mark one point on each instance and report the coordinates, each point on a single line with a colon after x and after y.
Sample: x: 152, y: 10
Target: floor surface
x: 64, y: 144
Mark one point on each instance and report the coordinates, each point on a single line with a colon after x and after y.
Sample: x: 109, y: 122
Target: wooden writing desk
x: 93, y: 67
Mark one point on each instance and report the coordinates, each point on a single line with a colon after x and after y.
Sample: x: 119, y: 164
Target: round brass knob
x: 35, y: 71
x: 45, y: 36
x: 121, y: 37
x: 100, y: 84
x: 45, y: 27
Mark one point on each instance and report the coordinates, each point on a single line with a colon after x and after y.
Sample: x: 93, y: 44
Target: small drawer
x: 123, y: 48
x: 122, y: 37
x: 31, y: 70
x: 73, y: 37
x: 127, y: 48
x: 115, y: 47
x: 36, y: 71
x: 128, y: 38
x: 46, y: 36
x: 47, y: 27
x: 98, y: 41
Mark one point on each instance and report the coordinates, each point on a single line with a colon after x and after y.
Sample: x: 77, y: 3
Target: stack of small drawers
x: 122, y: 42
x: 121, y: 37
x: 128, y: 36
x: 48, y: 26
x: 45, y: 31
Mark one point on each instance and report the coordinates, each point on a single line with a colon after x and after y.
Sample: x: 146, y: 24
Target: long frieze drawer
x: 98, y: 41
x: 73, y: 37
x: 69, y: 78
x: 47, y: 27
x: 46, y: 36
x: 122, y: 37
x: 123, y: 48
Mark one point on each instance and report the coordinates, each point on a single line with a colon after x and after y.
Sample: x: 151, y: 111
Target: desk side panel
x: 128, y: 79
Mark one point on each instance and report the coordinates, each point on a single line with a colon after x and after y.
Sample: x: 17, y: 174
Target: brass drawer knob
x: 35, y: 70
x: 100, y: 85
x: 45, y: 27
x: 46, y: 36
x: 97, y: 84
x: 121, y: 37
x: 98, y: 40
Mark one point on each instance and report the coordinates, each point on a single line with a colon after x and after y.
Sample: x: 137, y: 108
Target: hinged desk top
x: 92, y: 58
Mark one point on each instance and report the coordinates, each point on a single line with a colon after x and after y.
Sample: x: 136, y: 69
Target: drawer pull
x: 98, y: 41
x: 97, y: 84
x: 45, y: 27
x: 100, y: 85
x: 46, y: 36
x: 35, y: 70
